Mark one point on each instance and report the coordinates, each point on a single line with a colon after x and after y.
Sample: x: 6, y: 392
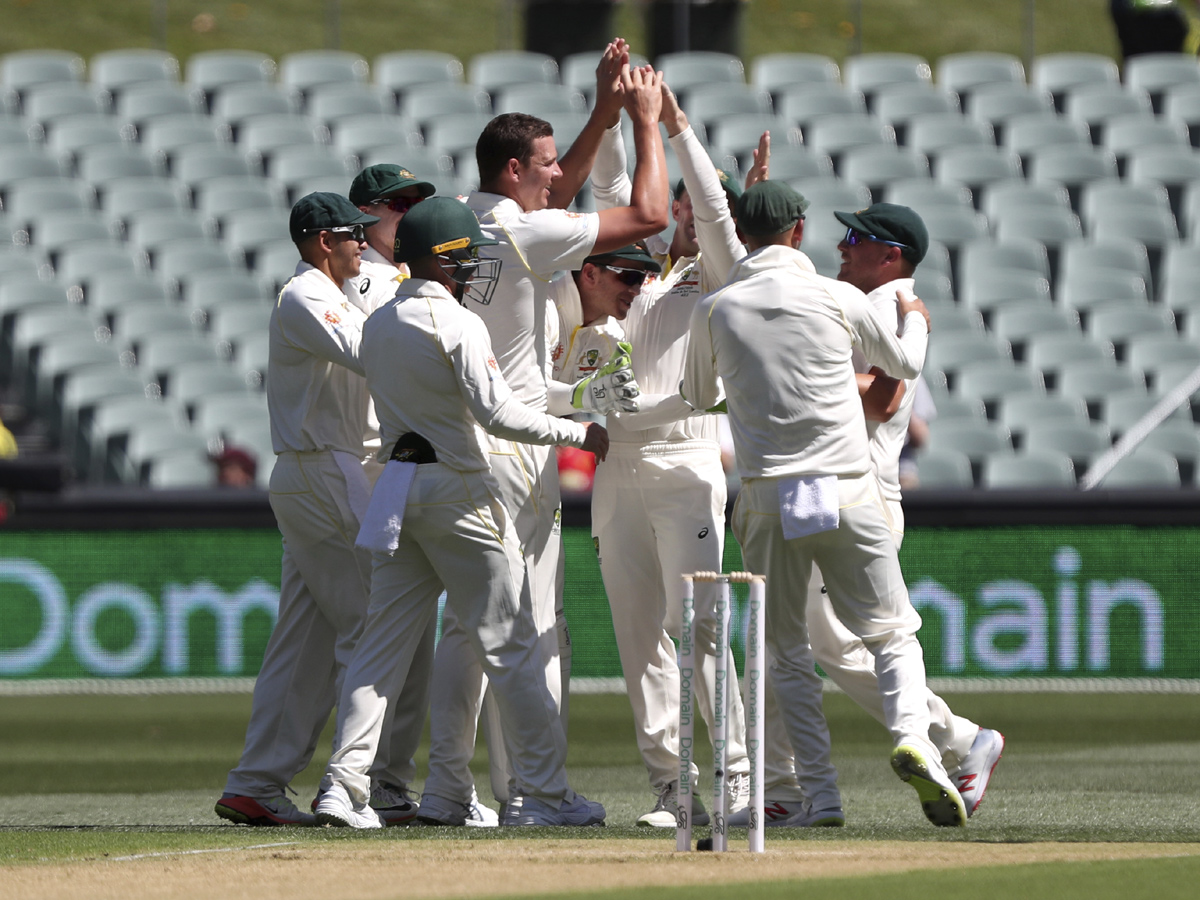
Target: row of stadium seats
x: 148, y: 211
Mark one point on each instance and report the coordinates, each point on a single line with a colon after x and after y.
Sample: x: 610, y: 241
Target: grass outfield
x: 930, y: 28
x: 1097, y: 797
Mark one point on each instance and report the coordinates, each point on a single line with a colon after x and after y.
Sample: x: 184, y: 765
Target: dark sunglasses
x: 357, y: 232
x: 631, y: 277
x: 855, y: 237
x: 398, y: 204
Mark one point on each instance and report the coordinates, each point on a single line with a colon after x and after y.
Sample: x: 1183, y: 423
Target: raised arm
x: 650, y: 206
x: 577, y: 162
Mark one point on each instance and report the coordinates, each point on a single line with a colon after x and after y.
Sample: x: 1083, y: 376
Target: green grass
x: 135, y: 774
x: 931, y: 28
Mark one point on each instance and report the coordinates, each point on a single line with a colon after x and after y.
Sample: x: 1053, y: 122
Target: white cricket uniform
x: 658, y: 504
x: 781, y: 337
x: 430, y: 367
x: 532, y: 246
x: 376, y: 284
x: 576, y: 350
x: 317, y: 401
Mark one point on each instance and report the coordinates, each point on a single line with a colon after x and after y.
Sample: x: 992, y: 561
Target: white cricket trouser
x: 323, y: 596
x: 458, y: 537
x: 658, y: 512
x: 868, y: 595
x: 851, y: 666
x: 527, y: 476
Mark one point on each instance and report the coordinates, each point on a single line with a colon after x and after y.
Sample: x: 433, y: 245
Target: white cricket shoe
x: 573, y: 810
x: 939, y: 797
x: 975, y: 772
x: 335, y: 809
x: 737, y: 794
x: 395, y: 803
x: 437, y: 810
x: 663, y: 814
x: 790, y: 814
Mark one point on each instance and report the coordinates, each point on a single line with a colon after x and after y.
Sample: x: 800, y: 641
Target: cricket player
x: 437, y: 521
x: 658, y: 504
x: 318, y: 405
x: 882, y: 247
x: 780, y: 338
x: 521, y: 182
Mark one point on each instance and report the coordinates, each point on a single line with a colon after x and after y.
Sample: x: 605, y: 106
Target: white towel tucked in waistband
x: 380, y: 530
x: 808, y: 504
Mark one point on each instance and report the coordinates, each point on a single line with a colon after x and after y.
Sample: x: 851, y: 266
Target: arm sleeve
x: 328, y: 332
x: 715, y: 231
x: 491, y: 401
x: 611, y: 185
x: 701, y: 388
x: 900, y: 357
x: 657, y: 410
x: 554, y: 240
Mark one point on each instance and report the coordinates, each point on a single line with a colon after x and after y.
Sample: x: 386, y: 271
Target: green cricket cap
x: 385, y: 180
x: 769, y: 208
x: 637, y: 252
x: 437, y: 225
x: 891, y: 222
x: 322, y: 209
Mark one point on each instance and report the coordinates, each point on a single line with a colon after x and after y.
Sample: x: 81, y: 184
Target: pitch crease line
x: 197, y: 852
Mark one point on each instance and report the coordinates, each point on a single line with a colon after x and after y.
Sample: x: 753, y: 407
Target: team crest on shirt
x: 557, y: 521
x: 591, y: 356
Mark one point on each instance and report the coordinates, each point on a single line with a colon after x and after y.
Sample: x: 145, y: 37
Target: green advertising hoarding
x: 1029, y: 601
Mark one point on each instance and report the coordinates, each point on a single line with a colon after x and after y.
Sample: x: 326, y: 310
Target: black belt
x: 411, y: 447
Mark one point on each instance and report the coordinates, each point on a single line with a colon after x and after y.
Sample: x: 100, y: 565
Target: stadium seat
x: 1052, y: 226
x: 966, y: 73
x: 1018, y: 322
x: 186, y: 382
x: 125, y: 196
x: 542, y: 100
x: 826, y: 196
x: 1071, y: 165
x: 141, y: 102
x: 147, y: 229
x: 949, y: 317
x: 118, y: 70
x: 738, y: 134
x: 1112, y: 198
x: 53, y: 230
x: 878, y: 166
x: 1000, y: 198
x: 1084, y: 255
x: 1181, y: 441
x: 165, y: 135
x: 216, y: 197
x: 261, y: 136
x: 1048, y: 353
x: 456, y: 135
x: 131, y: 454
x: 1060, y: 72
x: 60, y: 358
x: 218, y: 414
x: 72, y: 133
x: 992, y: 380
x: 944, y: 469
x: 330, y: 102
x: 292, y: 165
x: 1172, y: 167
x: 1094, y: 105
x: 803, y: 104
x: 215, y: 71
x: 194, y: 165
x: 1122, y: 411
x: 1144, y: 468
x: 240, y: 102
x: 686, y: 70
x: 108, y: 162
x: 997, y: 103
x: 1156, y: 73
x: 922, y: 194
x: 899, y: 104
x: 1082, y: 442
x: 423, y: 102
x: 1128, y: 133
x: 978, y: 258
x: 500, y: 68
x: 180, y: 470
x: 835, y: 134
x: 1028, y: 470
x: 306, y: 69
x: 34, y: 195
x: 206, y: 290
x: 1101, y: 288
x: 108, y: 291
x: 354, y: 134
x: 1095, y: 381
x: 25, y: 69
x: 1118, y: 325
x: 274, y: 263
x: 930, y: 285
x: 47, y: 103
x: 775, y: 71
x: 1031, y: 133
x: 708, y: 103
x: 131, y: 322
x: 790, y: 162
x: 159, y: 352
x: 1020, y: 411
x: 975, y: 440
x: 402, y: 70
x: 18, y: 162
x: 936, y: 133
x: 1182, y: 104
x: 976, y: 166
x: 870, y: 72
x: 950, y: 354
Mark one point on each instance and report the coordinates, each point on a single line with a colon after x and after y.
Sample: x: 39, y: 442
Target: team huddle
x: 424, y: 362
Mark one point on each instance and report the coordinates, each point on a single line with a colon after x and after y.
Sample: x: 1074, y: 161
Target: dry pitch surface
x: 446, y: 869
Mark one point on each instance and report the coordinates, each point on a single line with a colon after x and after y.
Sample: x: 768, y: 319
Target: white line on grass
x: 196, y: 852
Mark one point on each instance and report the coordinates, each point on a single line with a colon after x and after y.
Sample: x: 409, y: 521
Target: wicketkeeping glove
x: 612, y: 388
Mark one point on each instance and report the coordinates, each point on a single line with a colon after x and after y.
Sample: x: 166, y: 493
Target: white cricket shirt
x: 780, y: 337
x: 430, y: 368
x: 316, y: 395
